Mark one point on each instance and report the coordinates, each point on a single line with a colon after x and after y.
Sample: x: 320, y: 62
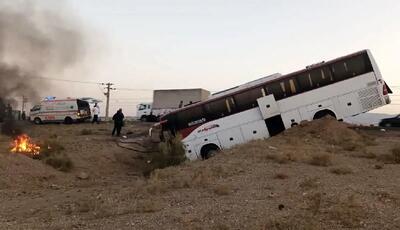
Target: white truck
x: 167, y: 100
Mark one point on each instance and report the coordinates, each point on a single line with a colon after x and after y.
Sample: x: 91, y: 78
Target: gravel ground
x: 319, y: 175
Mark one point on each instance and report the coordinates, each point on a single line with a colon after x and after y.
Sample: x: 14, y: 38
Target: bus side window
x: 339, y: 70
x: 248, y: 99
x: 358, y: 65
x: 188, y: 116
x: 304, y: 82
x: 294, y: 86
x: 216, y: 109
x: 321, y: 76
x: 230, y: 105
x: 276, y: 89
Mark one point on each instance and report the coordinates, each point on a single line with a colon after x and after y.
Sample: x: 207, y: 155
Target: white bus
x: 342, y: 88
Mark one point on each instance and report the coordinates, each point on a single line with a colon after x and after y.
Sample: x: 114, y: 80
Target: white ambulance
x: 60, y: 110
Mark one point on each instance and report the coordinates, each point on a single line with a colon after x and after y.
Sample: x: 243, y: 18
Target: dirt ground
x: 318, y: 175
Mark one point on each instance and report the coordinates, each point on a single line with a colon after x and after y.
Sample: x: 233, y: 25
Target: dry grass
x: 391, y: 158
x: 368, y: 140
x: 350, y: 146
x: 281, y: 176
x: 386, y: 197
x: 221, y: 226
x: 314, y: 202
x: 201, y: 178
x: 85, y: 206
x: 222, y: 189
x: 364, y: 154
x: 86, y: 132
x: 309, y: 183
x: 281, y: 158
x: 147, y: 206
x: 378, y: 166
x: 343, y: 170
x: 396, y: 154
x: 170, y: 153
x: 52, y: 154
x: 290, y: 223
x: 348, y: 211
x: 320, y: 159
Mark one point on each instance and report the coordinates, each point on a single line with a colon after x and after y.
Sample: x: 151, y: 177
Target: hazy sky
x: 216, y: 44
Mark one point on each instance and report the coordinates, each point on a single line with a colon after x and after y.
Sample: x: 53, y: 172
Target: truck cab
x: 144, y: 112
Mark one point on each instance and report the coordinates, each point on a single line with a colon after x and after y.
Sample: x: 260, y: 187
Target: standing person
x: 118, y: 119
x: 9, y: 111
x: 96, y: 112
x: 2, y: 110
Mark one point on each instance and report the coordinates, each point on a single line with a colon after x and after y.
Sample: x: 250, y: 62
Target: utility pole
x: 107, y: 94
x: 23, y: 103
x: 22, y: 114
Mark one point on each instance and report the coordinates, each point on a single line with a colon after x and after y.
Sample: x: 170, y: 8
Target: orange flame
x: 23, y: 144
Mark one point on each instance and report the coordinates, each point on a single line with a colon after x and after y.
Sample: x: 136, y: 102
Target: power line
x: 66, y: 80
x: 131, y: 89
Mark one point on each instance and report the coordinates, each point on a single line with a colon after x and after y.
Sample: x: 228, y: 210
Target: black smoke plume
x: 35, y: 42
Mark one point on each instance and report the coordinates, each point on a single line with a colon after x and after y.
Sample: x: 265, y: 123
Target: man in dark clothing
x: 118, y: 119
x: 9, y: 112
x: 2, y: 110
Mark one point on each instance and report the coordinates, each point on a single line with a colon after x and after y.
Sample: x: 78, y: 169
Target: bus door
x: 270, y: 112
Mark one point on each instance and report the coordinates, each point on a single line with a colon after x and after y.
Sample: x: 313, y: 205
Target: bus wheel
x: 323, y: 113
x: 37, y: 121
x: 208, y: 151
x: 68, y: 120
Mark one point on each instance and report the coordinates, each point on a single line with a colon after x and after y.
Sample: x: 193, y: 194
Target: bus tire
x: 209, y: 150
x: 68, y: 120
x: 322, y: 113
x: 37, y: 121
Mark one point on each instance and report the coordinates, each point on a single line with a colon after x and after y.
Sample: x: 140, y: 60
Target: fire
x: 23, y: 144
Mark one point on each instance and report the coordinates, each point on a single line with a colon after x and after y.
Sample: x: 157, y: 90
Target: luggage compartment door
x: 268, y: 106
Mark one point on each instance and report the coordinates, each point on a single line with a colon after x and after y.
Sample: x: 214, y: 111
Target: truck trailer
x: 167, y: 100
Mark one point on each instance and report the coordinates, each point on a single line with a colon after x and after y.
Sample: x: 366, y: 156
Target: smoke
x: 35, y: 42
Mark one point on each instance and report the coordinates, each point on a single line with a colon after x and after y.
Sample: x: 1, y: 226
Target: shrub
x: 309, y: 183
x: 320, y: 159
x: 314, y: 202
x: 391, y: 158
x: 396, y: 154
x: 222, y: 190
x: 51, y: 154
x: 350, y: 146
x: 364, y: 154
x: 341, y: 170
x: 281, y: 176
x: 147, y: 206
x: 348, y: 211
x: 172, y: 152
x: 59, y: 161
x: 281, y: 158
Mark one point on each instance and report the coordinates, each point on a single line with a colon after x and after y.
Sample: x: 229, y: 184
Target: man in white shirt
x: 96, y: 112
